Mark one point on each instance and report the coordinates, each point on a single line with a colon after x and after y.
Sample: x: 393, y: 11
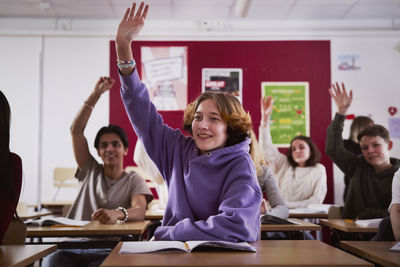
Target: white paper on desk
x: 322, y: 209
x: 395, y: 248
x: 369, y: 222
x: 56, y: 221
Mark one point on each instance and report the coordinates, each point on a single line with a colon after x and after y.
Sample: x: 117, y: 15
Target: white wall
x: 71, y: 67
x: 375, y: 87
x: 73, y: 60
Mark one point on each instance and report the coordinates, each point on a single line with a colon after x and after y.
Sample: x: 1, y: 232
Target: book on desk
x: 57, y: 221
x: 188, y: 246
x: 368, y: 222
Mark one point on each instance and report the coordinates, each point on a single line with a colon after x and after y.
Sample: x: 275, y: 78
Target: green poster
x: 291, y: 115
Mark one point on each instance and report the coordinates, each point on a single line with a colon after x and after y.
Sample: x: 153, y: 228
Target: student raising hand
x: 267, y: 105
x: 130, y: 26
x: 103, y: 84
x: 341, y: 98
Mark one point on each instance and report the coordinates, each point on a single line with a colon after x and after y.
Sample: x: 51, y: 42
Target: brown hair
x: 315, y: 155
x: 359, y: 123
x: 232, y: 112
x: 374, y: 130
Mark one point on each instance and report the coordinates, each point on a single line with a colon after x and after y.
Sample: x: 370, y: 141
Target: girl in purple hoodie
x: 211, y: 178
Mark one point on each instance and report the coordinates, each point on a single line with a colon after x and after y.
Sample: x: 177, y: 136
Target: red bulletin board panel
x: 286, y: 61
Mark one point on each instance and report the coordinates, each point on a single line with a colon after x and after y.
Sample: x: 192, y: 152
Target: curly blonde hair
x: 231, y: 110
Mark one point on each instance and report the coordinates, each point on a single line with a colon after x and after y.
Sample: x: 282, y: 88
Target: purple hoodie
x: 214, y: 196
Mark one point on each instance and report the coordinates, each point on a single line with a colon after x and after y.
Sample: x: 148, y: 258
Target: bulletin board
x: 261, y: 61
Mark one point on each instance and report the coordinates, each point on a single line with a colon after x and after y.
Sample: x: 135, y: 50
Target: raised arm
x: 341, y: 98
x: 129, y: 27
x: 334, y: 142
x: 79, y: 142
x: 270, y: 152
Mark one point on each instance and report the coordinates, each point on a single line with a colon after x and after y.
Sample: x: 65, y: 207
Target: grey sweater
x: 268, y: 185
x: 369, y: 192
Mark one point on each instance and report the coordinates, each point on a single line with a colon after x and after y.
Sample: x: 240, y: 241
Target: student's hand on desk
x: 106, y: 216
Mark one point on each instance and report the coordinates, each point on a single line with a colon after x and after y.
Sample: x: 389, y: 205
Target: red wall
x: 260, y: 61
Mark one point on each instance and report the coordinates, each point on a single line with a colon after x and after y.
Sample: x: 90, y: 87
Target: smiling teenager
x: 370, y: 174
x: 301, y: 178
x: 212, y: 182
x: 107, y: 193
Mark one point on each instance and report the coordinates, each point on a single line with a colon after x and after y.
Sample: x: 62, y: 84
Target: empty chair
x: 64, y: 178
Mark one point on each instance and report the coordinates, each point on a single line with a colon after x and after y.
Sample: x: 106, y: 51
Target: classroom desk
x: 347, y: 230
x: 153, y: 216
x: 346, y: 226
x: 23, y: 255
x: 299, y: 226
x: 308, y: 215
x: 32, y: 214
x: 94, y: 228
x: 375, y: 251
x: 294, y: 231
x: 269, y: 253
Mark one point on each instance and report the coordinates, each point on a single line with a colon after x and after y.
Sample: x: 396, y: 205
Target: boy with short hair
x: 372, y: 172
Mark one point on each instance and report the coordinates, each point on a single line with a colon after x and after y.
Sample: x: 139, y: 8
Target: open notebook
x: 188, y: 246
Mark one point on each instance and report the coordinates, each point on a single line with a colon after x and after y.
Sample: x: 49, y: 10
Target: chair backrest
x: 65, y: 177
x: 16, y: 232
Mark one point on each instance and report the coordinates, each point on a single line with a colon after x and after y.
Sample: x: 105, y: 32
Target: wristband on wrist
x: 124, y: 64
x: 89, y: 106
x: 125, y: 215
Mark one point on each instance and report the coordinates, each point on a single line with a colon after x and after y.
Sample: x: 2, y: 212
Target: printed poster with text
x: 223, y: 80
x: 164, y: 71
x: 290, y: 116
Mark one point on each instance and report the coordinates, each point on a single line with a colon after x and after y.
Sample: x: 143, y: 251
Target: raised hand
x: 267, y: 105
x: 131, y: 24
x: 341, y: 98
x: 103, y: 84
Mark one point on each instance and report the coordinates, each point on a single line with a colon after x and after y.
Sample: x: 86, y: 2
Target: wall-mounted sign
x: 291, y: 114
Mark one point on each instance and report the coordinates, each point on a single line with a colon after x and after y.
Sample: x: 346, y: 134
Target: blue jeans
x: 76, y: 257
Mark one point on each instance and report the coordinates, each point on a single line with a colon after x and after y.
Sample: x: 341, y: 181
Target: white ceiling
x: 205, y: 9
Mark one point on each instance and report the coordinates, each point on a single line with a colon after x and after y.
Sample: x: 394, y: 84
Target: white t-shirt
x: 395, y: 189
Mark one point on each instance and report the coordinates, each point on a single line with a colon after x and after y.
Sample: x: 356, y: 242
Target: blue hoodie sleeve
x: 157, y: 138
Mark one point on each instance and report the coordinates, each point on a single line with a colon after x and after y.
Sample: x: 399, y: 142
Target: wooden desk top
x: 151, y: 215
x: 308, y: 215
x: 31, y: 214
x: 269, y: 253
x: 23, y: 255
x: 375, y: 251
x: 301, y: 226
x: 94, y: 228
x: 346, y: 226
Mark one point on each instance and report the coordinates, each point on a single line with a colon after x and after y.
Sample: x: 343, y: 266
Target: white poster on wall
x: 164, y: 71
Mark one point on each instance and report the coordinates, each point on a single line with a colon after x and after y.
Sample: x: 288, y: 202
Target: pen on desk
x: 187, y: 246
x: 349, y: 220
